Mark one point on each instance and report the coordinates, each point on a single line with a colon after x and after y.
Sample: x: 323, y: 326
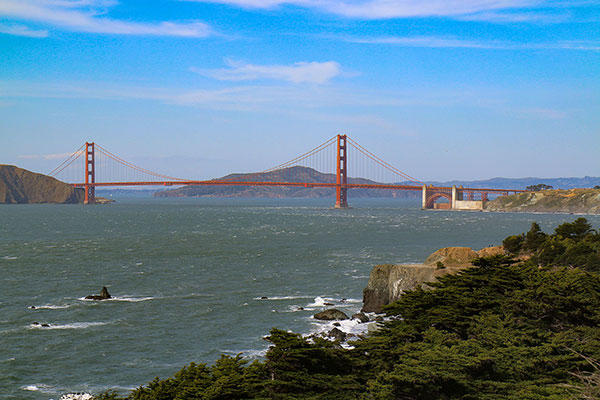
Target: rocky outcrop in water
x: 330, y: 315
x: 104, y: 295
x: 18, y: 186
x: 580, y: 201
x: 387, y: 282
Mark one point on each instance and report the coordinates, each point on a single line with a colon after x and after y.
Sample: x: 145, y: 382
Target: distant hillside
x: 293, y: 174
x: 18, y: 185
x: 304, y: 174
x: 581, y: 201
x: 522, y: 183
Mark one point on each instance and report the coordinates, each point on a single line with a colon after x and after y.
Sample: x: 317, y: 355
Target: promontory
x: 577, y: 201
x: 19, y: 186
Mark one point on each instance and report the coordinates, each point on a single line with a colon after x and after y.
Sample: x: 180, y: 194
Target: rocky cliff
x: 387, y: 282
x: 18, y: 185
x: 581, y: 201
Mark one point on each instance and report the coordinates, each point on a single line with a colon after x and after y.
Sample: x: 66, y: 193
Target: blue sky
x: 442, y: 89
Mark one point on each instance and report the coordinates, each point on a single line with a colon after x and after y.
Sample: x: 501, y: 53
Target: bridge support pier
x: 455, y: 197
x: 90, y: 174
x: 341, y: 191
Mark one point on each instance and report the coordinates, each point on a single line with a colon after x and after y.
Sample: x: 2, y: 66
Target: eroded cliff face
x: 18, y: 185
x: 387, y: 282
x: 581, y: 201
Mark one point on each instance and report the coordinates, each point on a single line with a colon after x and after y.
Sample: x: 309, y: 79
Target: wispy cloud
x: 382, y: 9
x: 424, y: 41
x: 22, y: 30
x: 242, y: 98
x: 56, y: 156
x: 543, y: 113
x: 86, y: 16
x: 300, y: 72
x: 452, y: 42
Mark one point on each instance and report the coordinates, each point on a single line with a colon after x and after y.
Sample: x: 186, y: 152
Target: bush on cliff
x: 506, y: 330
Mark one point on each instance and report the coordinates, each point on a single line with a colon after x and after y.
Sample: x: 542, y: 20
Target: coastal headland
x: 576, y: 201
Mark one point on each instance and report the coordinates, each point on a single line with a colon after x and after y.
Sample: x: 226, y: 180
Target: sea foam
x: 74, y: 325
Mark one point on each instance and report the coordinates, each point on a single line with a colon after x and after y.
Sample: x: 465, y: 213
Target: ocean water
x: 187, y: 276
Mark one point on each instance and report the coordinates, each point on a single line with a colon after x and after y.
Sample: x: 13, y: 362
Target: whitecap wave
x: 38, y: 387
x: 282, y: 297
x: 121, y: 298
x: 77, y: 396
x: 74, y: 325
x: 132, y: 299
x: 51, y: 307
x: 249, y: 354
x: 10, y: 257
x: 318, y: 302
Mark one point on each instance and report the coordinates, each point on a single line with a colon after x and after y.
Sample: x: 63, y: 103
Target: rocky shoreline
x: 387, y: 282
x: 573, y: 201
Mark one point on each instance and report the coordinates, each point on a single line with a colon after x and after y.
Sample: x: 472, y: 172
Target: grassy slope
x: 585, y: 201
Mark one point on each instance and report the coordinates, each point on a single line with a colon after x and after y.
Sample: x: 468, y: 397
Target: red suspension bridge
x: 102, y: 168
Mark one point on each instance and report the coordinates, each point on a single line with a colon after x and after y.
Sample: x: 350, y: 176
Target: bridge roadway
x: 295, y: 184
x: 454, y: 195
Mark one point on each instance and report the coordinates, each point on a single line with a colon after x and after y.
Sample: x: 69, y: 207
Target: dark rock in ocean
x: 264, y: 298
x: 343, y: 300
x: 36, y: 323
x: 337, y: 324
x: 379, y: 318
x: 300, y: 308
x: 32, y: 307
x: 361, y: 317
x: 328, y: 304
x: 45, y: 325
x: 104, y: 295
x: 337, y: 334
x: 330, y: 315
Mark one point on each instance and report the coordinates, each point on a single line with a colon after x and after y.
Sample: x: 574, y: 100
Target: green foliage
x: 507, y: 329
x: 227, y: 379
x: 538, y: 187
x: 514, y: 243
x: 496, y: 332
x: 107, y: 395
x: 319, y: 370
x: 573, y: 244
x: 534, y: 238
x: 576, y: 230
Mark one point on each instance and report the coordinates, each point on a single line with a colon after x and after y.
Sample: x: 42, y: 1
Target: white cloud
x: 22, y: 30
x: 83, y: 16
x: 425, y: 41
x: 381, y: 9
x: 449, y: 42
x: 300, y: 72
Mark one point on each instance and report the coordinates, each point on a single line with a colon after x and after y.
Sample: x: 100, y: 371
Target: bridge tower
x: 341, y: 191
x: 90, y: 175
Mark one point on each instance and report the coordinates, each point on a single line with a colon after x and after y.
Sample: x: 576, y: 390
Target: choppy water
x: 188, y: 276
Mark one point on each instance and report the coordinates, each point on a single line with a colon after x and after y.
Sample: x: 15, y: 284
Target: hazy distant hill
x: 304, y: 174
x: 293, y: 174
x: 18, y: 185
x: 522, y: 183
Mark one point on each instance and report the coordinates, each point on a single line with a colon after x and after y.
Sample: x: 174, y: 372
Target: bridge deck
x: 294, y: 184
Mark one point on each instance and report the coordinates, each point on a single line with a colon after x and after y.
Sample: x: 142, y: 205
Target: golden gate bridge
x: 101, y: 168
